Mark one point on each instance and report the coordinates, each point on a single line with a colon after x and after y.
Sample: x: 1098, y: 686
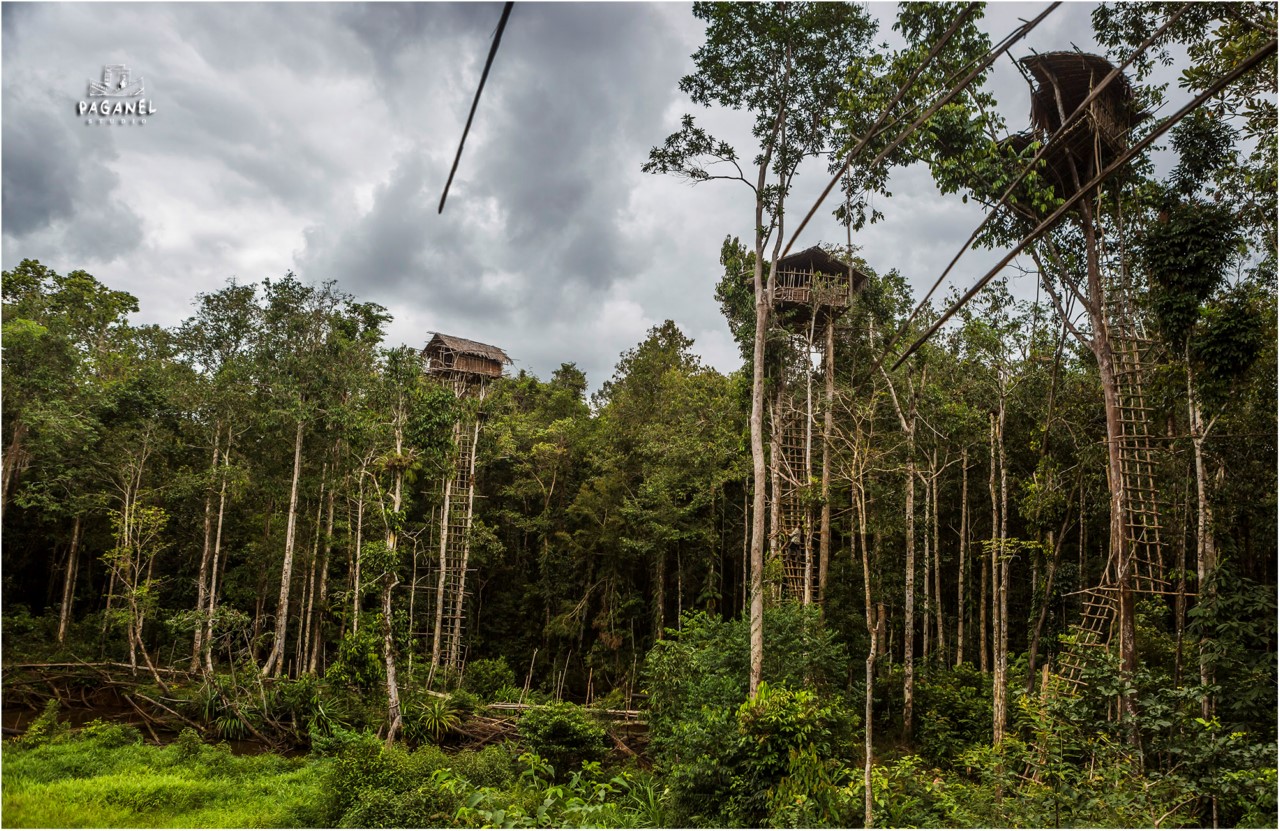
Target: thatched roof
x: 462, y: 346
x: 815, y: 259
x: 1064, y: 79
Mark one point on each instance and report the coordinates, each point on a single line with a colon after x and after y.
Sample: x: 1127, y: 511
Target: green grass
x: 106, y: 778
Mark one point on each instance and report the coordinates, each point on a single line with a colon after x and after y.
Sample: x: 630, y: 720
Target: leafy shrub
x: 720, y: 756
x: 364, y: 763
x: 110, y: 734
x: 359, y: 662
x: 45, y: 727
x: 954, y: 708
x: 492, y: 766
x: 487, y: 676
x: 426, y: 806
x: 782, y: 735
x: 430, y: 718
x: 564, y: 735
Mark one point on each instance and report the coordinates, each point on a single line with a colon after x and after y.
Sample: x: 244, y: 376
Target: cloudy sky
x: 318, y: 138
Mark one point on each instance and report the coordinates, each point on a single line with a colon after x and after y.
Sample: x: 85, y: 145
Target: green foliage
x: 725, y: 761
x: 485, y: 677
x: 45, y: 728
x: 430, y: 718
x: 564, y: 734
x: 954, y: 713
x: 359, y: 661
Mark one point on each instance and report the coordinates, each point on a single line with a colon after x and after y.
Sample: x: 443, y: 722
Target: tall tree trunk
x: 938, y: 616
x: 926, y: 608
x: 994, y: 559
x: 660, y: 593
x: 305, y: 629
x: 389, y: 582
x: 1000, y: 686
x: 860, y: 508
x: 438, y: 627
x: 828, y: 419
x: 763, y: 293
x: 1121, y: 554
x: 15, y: 458
x: 275, y: 661
x: 207, y: 619
x: 355, y: 552
x: 962, y: 579
x: 202, y: 578
x: 909, y: 625
x: 69, y: 581
x: 322, y: 606
x: 1206, y: 547
x: 907, y: 421
x: 459, y: 606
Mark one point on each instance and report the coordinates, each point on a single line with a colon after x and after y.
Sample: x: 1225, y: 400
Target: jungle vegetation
x: 228, y: 530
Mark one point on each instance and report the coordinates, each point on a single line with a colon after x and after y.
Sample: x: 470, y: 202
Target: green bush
x: 487, y: 676
x: 426, y: 806
x: 430, y: 718
x: 359, y: 662
x: 564, y: 735
x: 953, y: 709
x: 45, y: 727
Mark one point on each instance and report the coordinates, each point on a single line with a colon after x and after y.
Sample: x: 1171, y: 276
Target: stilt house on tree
x: 1060, y: 82
x: 467, y: 366
x: 811, y: 289
x: 812, y: 281
x: 461, y: 359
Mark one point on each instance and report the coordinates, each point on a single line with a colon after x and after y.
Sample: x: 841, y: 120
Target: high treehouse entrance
x: 467, y: 367
x: 812, y: 289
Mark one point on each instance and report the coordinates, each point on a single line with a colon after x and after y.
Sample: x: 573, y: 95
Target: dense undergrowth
x: 789, y: 757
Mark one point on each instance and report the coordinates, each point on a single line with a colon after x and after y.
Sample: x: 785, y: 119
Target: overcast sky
x: 318, y: 138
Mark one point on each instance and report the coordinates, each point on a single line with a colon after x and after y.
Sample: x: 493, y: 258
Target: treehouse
x: 462, y: 359
x: 1060, y: 83
x: 814, y: 282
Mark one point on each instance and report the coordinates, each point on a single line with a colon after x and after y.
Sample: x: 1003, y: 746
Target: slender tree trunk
x: 69, y: 581
x: 938, y: 616
x: 304, y: 631
x: 389, y: 582
x: 355, y: 567
x: 207, y: 622
x: 275, y: 661
x: 763, y: 293
x: 438, y: 628
x: 828, y: 418
x: 985, y: 585
x: 1206, y: 548
x: 909, y: 625
x: 926, y: 608
x: 317, y: 635
x: 994, y: 559
x: 459, y: 607
x: 202, y: 578
x: 962, y: 579
x: 660, y: 593
x: 1000, y: 570
x: 907, y: 421
x: 860, y: 509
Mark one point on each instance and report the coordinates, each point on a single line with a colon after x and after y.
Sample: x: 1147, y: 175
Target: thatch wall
x: 1061, y: 81
x: 449, y: 355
